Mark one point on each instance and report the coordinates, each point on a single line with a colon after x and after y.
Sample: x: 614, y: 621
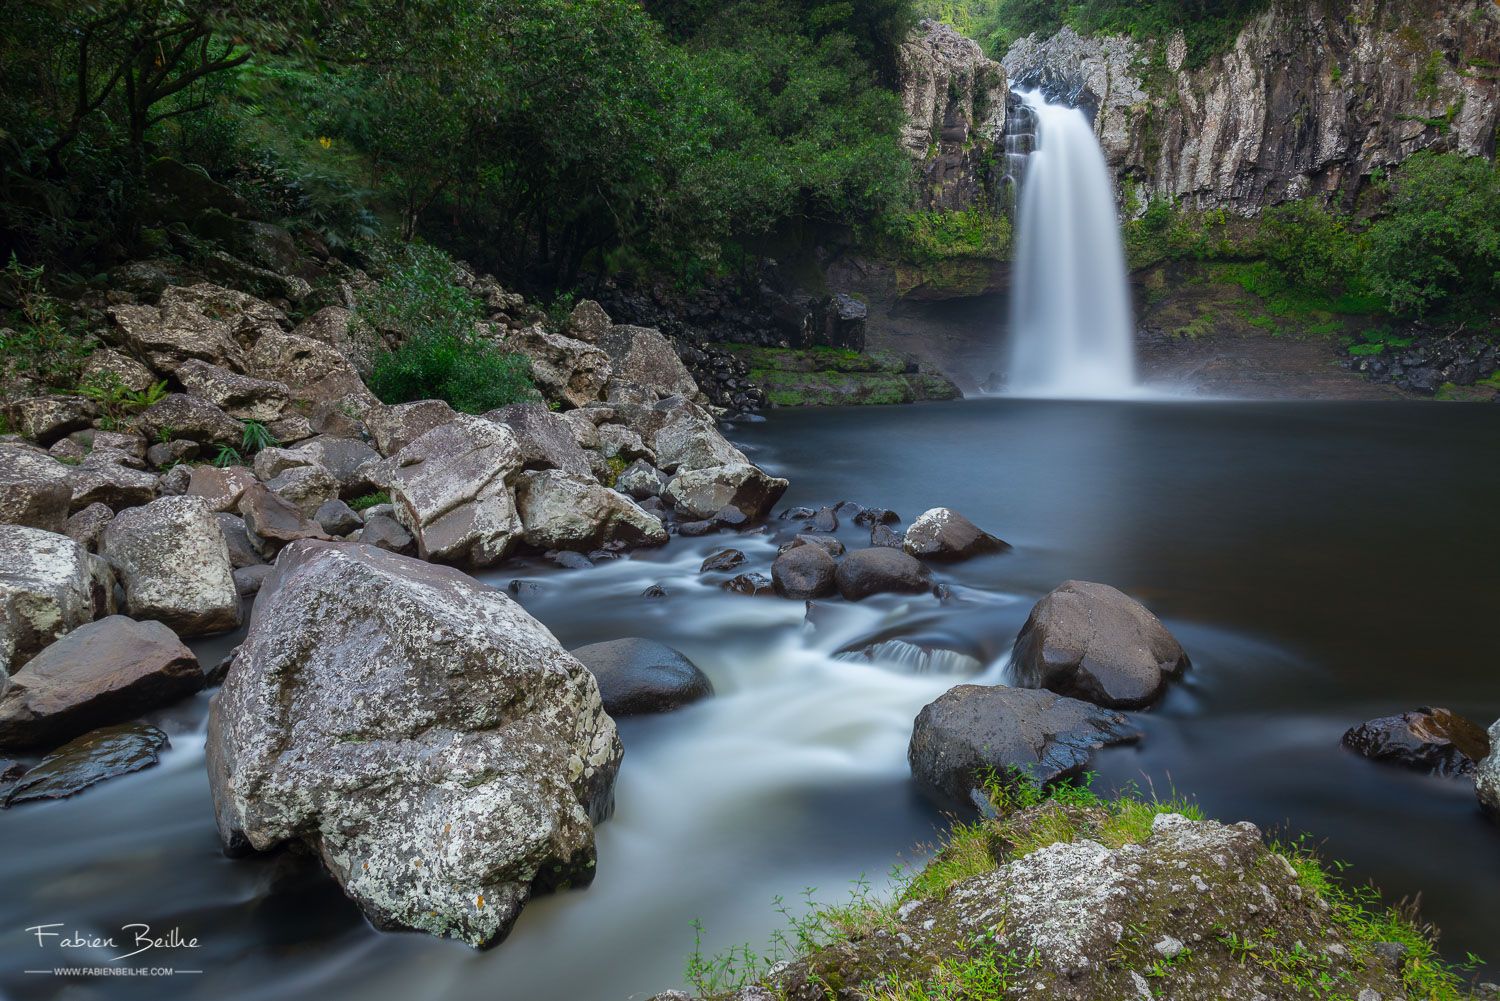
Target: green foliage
x: 368, y: 501
x: 118, y: 403
x: 227, y: 456
x: 417, y: 295
x: 926, y: 237
x: 1438, y: 244
x: 39, y: 347
x: 256, y: 436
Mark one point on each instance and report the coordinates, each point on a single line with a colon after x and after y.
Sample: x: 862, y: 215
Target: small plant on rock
x: 256, y: 436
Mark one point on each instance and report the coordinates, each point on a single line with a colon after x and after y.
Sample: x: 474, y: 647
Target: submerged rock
x: 88, y: 760
x: 639, y: 676
x: 722, y: 561
x: 49, y: 585
x: 865, y: 572
x: 1092, y: 642
x: 751, y: 584
x: 941, y: 534
x: 100, y: 673
x: 975, y: 728
x: 173, y: 561
x: 444, y: 767
x: 1432, y: 740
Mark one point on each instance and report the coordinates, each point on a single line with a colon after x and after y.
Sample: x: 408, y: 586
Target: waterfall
x: 1072, y: 329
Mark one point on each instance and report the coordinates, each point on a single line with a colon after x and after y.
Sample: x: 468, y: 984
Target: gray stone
x: 338, y: 518
x: 1487, y: 775
x: 49, y: 586
x: 239, y: 396
x: 1092, y: 642
x: 85, y: 761
x: 308, y: 487
x: 545, y: 439
x: 173, y: 561
x: 588, y: 322
x: 249, y: 580
x: 571, y: 371
x: 393, y: 428
x: 638, y: 676
x: 804, y: 572
x: 941, y: 534
x: 106, y: 477
x: 33, y: 489
x: 865, y: 572
x: 447, y: 766
x: 194, y: 419
x: 86, y: 527
x: 385, y: 532
x: 703, y: 493
x: 242, y: 552
x: 559, y: 511
x: 643, y: 356
x: 45, y: 419
x: 220, y: 488
x: 272, y: 521
x: 641, y: 480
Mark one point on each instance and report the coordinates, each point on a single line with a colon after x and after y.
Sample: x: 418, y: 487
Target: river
x: 1321, y: 563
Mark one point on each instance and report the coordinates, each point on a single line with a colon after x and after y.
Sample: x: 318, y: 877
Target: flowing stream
x: 1322, y: 564
x: 1071, y: 322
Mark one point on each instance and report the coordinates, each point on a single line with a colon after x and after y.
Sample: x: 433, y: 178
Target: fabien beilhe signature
x: 136, y: 936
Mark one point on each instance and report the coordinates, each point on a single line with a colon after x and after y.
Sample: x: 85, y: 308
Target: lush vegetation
x: 1209, y: 26
x: 546, y: 139
x: 1027, y: 818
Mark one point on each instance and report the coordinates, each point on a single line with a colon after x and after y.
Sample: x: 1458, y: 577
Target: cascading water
x: 1071, y: 322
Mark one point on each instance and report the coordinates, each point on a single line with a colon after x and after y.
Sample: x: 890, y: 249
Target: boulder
x: 545, y: 439
x: 973, y: 729
x: 638, y: 676
x: 941, y: 534
x: 561, y: 511
x: 703, y: 493
x: 166, y: 454
x: 393, y: 428
x: 588, y: 322
x: 239, y: 396
x: 749, y: 584
x: 106, y: 367
x: 877, y: 571
x: 220, y: 488
x: 49, y: 586
x: 242, y: 552
x: 883, y: 537
x: 87, y: 526
x: 641, y: 480
x: 337, y: 518
x: 348, y: 461
x: 1487, y: 774
x: 45, y: 419
x: 34, y: 489
x: 1431, y: 740
x: 722, y: 561
x: 385, y: 532
x: 173, y: 561
x: 100, y: 673
x: 308, y: 487
x: 177, y: 333
x: 449, y: 489
x: 317, y: 374
x: 445, y: 767
x: 271, y: 521
x: 332, y: 325
x: 804, y: 572
x: 643, y: 356
x: 828, y: 543
x: 688, y: 439
x: 193, y: 419
x: 107, y: 477
x: 564, y: 369
x: 105, y: 753
x: 1092, y: 642
x: 248, y: 580
x: 616, y: 441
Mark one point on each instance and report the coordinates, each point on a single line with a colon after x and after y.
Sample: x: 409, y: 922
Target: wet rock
x: 393, y: 428
x: 1092, y: 642
x: 545, y: 440
x: 654, y: 591
x: 173, y: 561
x: 643, y: 356
x: 823, y: 521
x: 638, y: 676
x: 105, y: 753
x: 100, y: 673
x: 878, y: 571
x: 750, y: 584
x: 703, y: 493
x: 560, y: 511
x: 828, y: 543
x: 385, y: 532
x: 722, y: 561
x: 239, y: 396
x: 1487, y: 774
x: 447, y: 766
x: 337, y: 518
x: 641, y: 480
x: 220, y: 488
x: 883, y: 537
x: 1431, y: 740
x: 33, y: 489
x: 87, y: 526
x: 695, y: 529
x: 804, y: 572
x: 564, y: 368
x: 569, y: 560
x: 242, y: 552
x: 913, y: 656
x: 450, y: 491
x: 49, y: 586
x: 942, y: 534
x: 974, y: 728
x: 248, y: 580
x: 45, y: 419
x: 872, y: 516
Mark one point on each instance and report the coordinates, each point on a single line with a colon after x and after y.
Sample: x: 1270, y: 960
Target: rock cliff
x: 1312, y: 98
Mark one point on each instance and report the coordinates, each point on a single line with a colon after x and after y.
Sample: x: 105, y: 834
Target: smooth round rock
x: 638, y: 676
x: 804, y: 572
x: 876, y: 571
x: 942, y: 534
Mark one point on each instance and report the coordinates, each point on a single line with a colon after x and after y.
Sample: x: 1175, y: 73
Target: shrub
x: 472, y: 376
x: 1310, y: 245
x: 40, y: 347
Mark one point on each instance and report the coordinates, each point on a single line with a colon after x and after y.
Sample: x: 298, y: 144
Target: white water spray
x: 1071, y: 321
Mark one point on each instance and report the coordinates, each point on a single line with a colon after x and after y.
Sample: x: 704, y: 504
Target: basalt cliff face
x: 1312, y: 98
x: 954, y: 97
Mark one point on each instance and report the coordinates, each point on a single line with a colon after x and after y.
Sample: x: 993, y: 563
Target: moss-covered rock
x: 837, y: 377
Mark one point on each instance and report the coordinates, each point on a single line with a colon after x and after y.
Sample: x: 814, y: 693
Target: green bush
x: 473, y: 377
x: 925, y: 237
x: 1309, y: 245
x: 417, y: 294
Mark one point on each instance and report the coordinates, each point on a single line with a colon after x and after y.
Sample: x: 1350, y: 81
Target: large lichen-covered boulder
x: 703, y: 493
x: 193, y: 419
x: 450, y: 489
x: 317, y: 373
x: 428, y: 739
x: 562, y: 511
x: 975, y: 729
x: 546, y: 440
x: 173, y: 561
x: 34, y: 488
x: 564, y: 368
x: 1487, y: 775
x: 100, y: 673
x: 49, y: 586
x: 393, y: 428
x: 1092, y: 642
x: 241, y: 396
x: 643, y: 356
x: 685, y: 438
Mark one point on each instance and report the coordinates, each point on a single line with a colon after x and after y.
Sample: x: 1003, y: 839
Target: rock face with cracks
x: 433, y: 743
x: 49, y: 585
x: 173, y: 560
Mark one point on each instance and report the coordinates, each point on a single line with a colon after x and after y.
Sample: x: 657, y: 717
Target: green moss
x: 617, y: 465
x: 370, y: 500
